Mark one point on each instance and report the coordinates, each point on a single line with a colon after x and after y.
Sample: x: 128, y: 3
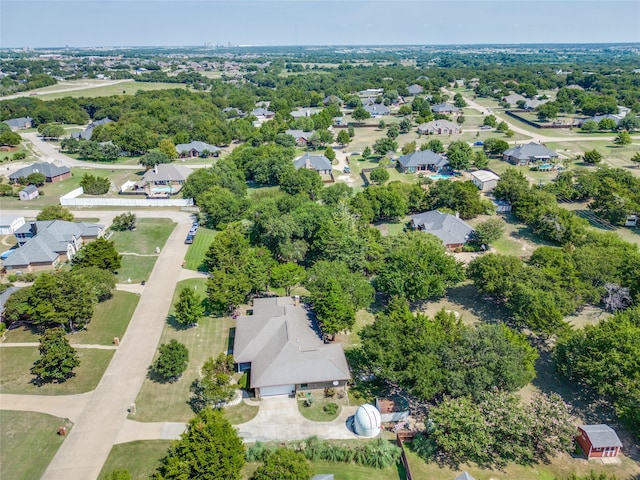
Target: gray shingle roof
x: 444, y: 108
x: 36, y: 250
x: 304, y: 112
x: 415, y: 89
x: 601, y: 436
x: 49, y: 169
x: 465, y: 476
x: 5, y: 295
x: 377, y: 109
x: 29, y: 189
x: 436, y: 124
x: 166, y: 172
x: 529, y: 151
x: 18, y: 122
x: 299, y: 134
x: 448, y: 228
x: 88, y: 132
x: 331, y: 99
x: 197, y: 145
x: 261, y: 112
x: 279, y: 341
x: 317, y: 162
x: 422, y: 157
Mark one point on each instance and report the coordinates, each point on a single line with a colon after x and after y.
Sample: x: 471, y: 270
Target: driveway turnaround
x: 61, y: 406
x: 279, y: 420
x: 87, y: 446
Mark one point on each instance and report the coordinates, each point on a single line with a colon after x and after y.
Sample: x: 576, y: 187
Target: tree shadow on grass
x: 173, y: 322
x: 482, y: 306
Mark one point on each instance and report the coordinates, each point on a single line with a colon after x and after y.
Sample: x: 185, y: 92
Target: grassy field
x: 198, y: 249
x: 168, y: 401
x: 240, y: 413
x: 110, y: 319
x: 343, y: 471
x: 102, y: 90
x: 28, y: 442
x: 135, y: 269
x: 17, y: 379
x: 140, y: 458
x: 561, y: 467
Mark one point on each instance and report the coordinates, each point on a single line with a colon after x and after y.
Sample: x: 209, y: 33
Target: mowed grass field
x: 199, y: 248
x: 167, y: 402
x: 28, y: 442
x: 110, y: 319
x: 101, y: 88
x: 17, y: 378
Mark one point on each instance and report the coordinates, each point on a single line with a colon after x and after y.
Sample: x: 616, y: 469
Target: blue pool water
x: 163, y: 189
x: 441, y: 177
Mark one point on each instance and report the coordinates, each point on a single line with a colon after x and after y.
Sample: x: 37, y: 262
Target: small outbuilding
x: 485, y: 180
x: 9, y: 224
x: 28, y: 193
x: 367, y: 421
x: 598, y: 441
x: 393, y: 409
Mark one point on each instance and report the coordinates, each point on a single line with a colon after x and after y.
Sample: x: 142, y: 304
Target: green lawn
x: 240, y: 413
x: 124, y: 88
x: 17, y: 379
x: 28, y: 442
x: 110, y: 319
x: 316, y: 413
x: 198, y: 249
x: 168, y: 401
x: 149, y: 234
x: 141, y: 458
x: 135, y: 269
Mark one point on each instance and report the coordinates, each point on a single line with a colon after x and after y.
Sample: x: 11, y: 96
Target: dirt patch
x: 588, y: 315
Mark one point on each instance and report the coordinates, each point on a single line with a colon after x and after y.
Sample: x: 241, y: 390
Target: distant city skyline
x: 114, y: 23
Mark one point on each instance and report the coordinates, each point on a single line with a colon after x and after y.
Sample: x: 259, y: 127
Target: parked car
x: 347, y: 169
x: 478, y: 143
x: 189, y: 239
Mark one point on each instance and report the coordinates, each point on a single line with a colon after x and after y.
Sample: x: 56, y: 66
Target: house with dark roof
x: 616, y: 118
x: 513, y: 99
x: 319, y: 163
x: 445, y: 108
x: 197, y: 149
x: 280, y: 345
x: 377, y: 109
x: 28, y: 193
x: 422, y: 161
x: 415, y: 89
x: 262, y: 113
x: 439, y: 127
x: 87, y: 133
x: 19, y: 123
x: 453, y: 231
x: 529, y: 153
x: 598, y: 441
x: 52, y: 173
x: 43, y: 245
x: 302, y: 137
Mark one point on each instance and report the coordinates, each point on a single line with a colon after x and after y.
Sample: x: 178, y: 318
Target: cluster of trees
x: 124, y: 221
x: 7, y: 137
x: 91, y: 150
x: 497, y: 429
x: 93, y: 185
x: 606, y: 356
x: 433, y: 357
x: 555, y: 282
x: 213, y: 388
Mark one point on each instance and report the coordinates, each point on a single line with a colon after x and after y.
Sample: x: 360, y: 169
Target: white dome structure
x: 367, y: 421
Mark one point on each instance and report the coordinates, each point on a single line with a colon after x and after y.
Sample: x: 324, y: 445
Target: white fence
x: 71, y: 200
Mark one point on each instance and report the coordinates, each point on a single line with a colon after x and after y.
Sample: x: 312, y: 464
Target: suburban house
x: 319, y: 163
x: 513, y: 99
x: 377, y: 109
x: 445, y: 108
x: 305, y: 112
x: 372, y: 91
x: 331, y: 99
x: 88, y: 132
x: 9, y: 224
x: 302, y: 138
x: 598, y: 118
x: 234, y: 111
x: 43, y: 245
x: 598, y: 441
x: 197, y: 149
x: 421, y: 161
x: 28, y: 193
x: 533, y: 103
x: 415, y: 89
x: 439, y: 127
x: 280, y: 346
x: 165, y: 174
x: 453, y: 231
x: 485, y: 180
x: 262, y: 113
x: 392, y: 409
x: 527, y: 153
x: 52, y: 173
x: 19, y: 123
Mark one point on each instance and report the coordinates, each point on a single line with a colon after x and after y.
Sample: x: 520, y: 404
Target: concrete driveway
x: 279, y: 420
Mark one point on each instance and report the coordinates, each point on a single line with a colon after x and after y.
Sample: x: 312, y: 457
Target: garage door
x: 277, y: 390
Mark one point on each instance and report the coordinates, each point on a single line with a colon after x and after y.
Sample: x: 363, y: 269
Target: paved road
x: 97, y: 428
x: 61, y: 406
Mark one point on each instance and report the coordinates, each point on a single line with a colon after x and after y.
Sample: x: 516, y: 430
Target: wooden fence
x: 400, y: 438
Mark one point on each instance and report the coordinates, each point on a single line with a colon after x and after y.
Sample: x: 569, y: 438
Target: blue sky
x: 91, y: 23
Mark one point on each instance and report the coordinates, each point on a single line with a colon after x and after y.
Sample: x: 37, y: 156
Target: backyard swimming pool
x: 441, y: 176
x: 163, y: 190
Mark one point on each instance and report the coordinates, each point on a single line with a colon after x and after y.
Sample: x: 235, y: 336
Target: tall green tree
x: 210, y: 449
x: 622, y: 139
x: 189, y: 308
x: 459, y: 154
x: 287, y: 276
x: 214, y: 387
x: 100, y: 253
x: 55, y: 212
x: 172, y: 361
x: 284, y: 464
x: 57, y: 358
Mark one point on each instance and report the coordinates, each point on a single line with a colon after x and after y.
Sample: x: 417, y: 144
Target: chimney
x: 155, y: 169
x: 296, y: 300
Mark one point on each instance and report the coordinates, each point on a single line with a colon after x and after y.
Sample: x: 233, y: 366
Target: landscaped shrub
x: 308, y: 401
x: 329, y: 392
x: 330, y: 408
